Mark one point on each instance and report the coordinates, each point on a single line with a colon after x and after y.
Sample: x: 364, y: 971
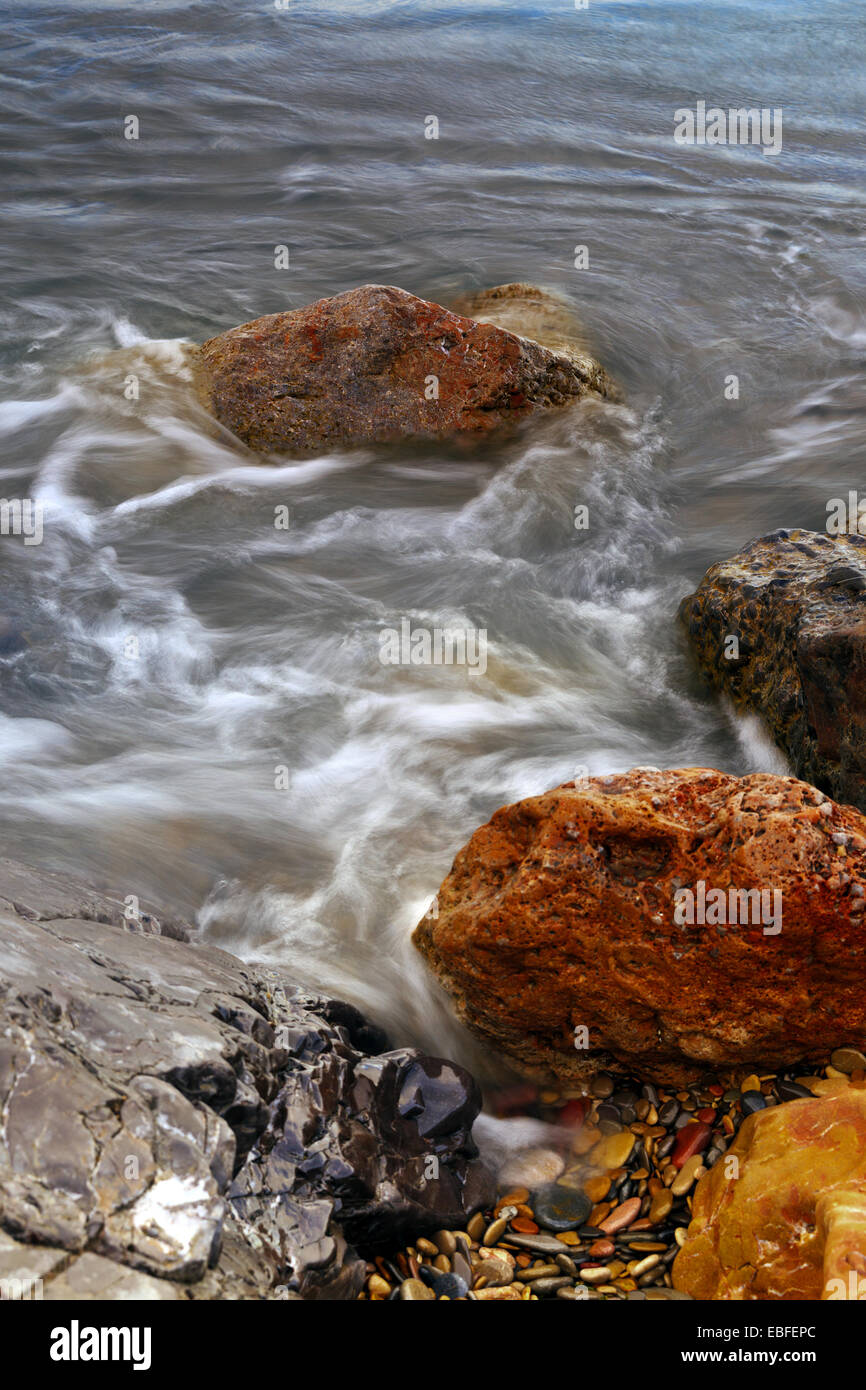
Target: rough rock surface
x: 789, y: 1221
x: 377, y: 364
x: 796, y: 602
x: 174, y: 1121
x: 560, y: 914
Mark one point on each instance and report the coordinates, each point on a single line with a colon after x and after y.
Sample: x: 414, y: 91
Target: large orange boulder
x: 377, y: 363
x: 783, y: 1214
x: 661, y: 922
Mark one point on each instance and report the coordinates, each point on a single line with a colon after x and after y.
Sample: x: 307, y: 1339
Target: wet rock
x: 570, y: 910
x: 165, y: 1109
x: 378, y: 364
x: 796, y: 603
x: 559, y: 1208
x: 789, y: 1221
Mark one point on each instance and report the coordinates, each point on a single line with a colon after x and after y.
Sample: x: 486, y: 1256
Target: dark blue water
x: 154, y: 773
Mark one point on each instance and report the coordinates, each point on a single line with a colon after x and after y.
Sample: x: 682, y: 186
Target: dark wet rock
x: 376, y: 364
x: 168, y: 1114
x: 559, y: 1208
x: 796, y: 602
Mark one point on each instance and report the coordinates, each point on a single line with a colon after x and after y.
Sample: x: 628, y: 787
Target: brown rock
x: 561, y: 913
x: 796, y: 602
x: 790, y: 1222
x: 365, y: 366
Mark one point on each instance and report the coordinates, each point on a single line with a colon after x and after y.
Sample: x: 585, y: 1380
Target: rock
x: 376, y: 364
x: 559, y: 1208
x: 169, y: 1113
x: 413, y: 1291
x: 790, y: 1223
x: 560, y: 915
x: 848, y: 1059
x: 796, y: 602
x: 531, y: 1168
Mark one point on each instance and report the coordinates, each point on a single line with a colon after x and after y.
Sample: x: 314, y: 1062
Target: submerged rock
x: 608, y: 922
x: 168, y: 1111
x: 783, y: 1214
x: 377, y: 364
x: 795, y: 603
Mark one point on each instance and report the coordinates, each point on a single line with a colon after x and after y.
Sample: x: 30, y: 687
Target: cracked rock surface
x: 561, y: 915
x: 174, y: 1123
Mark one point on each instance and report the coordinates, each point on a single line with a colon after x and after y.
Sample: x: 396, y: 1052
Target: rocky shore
x: 674, y: 961
x: 174, y: 1124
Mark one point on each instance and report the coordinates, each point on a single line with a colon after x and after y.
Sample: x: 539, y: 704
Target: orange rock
x: 561, y: 914
x: 789, y: 1220
x: 524, y: 1225
x: 352, y: 369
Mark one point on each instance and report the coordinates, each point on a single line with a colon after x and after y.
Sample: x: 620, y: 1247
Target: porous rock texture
x: 376, y: 364
x: 796, y: 603
x: 560, y: 915
x: 174, y: 1123
x: 783, y: 1214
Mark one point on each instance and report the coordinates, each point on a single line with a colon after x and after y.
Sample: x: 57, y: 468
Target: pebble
x: 601, y: 1249
x: 543, y: 1287
x: 528, y: 1276
x: 792, y: 1090
x: 602, y: 1085
x: 444, y: 1285
x: 691, y: 1170
x: 476, y: 1227
x: 597, y: 1189
x: 660, y: 1205
x: 752, y: 1101
x: 669, y: 1112
x: 496, y: 1274
x: 532, y: 1168
x: 594, y: 1274
x: 621, y: 1216
x: 539, y: 1245
x: 378, y: 1286
x: 848, y: 1059
x: 495, y: 1231
x: 446, y: 1241
x: 525, y: 1225
x: 560, y: 1208
x: 614, y: 1150
x: 415, y: 1292
x: 692, y: 1139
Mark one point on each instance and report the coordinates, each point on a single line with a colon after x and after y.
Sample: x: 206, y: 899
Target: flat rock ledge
x: 781, y: 629
x: 377, y: 364
x: 175, y: 1124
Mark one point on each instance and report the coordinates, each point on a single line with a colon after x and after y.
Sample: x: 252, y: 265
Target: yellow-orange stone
x: 792, y: 1223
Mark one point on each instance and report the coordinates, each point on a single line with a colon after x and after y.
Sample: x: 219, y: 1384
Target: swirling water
x: 165, y: 648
